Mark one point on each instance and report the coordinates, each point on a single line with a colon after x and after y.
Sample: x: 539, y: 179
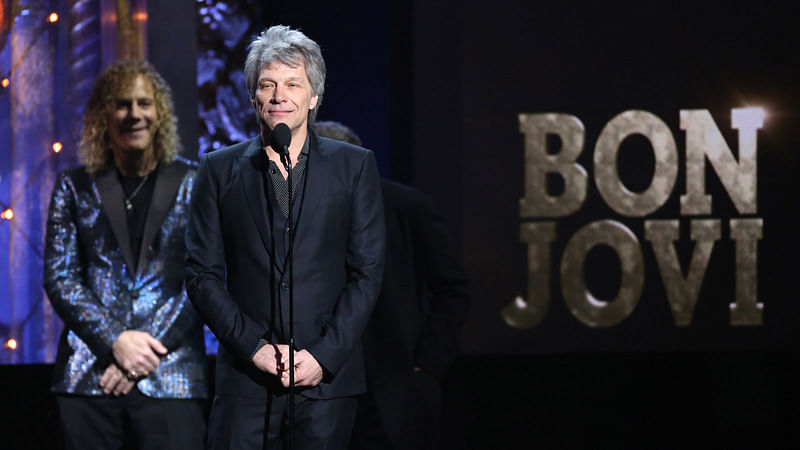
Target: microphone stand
x: 287, y: 163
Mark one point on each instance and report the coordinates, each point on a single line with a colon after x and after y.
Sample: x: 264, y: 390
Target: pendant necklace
x: 128, y: 200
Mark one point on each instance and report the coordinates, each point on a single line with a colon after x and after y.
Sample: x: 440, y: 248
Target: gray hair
x: 291, y: 47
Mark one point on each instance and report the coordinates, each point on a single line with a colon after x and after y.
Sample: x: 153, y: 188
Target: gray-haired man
x: 237, y: 247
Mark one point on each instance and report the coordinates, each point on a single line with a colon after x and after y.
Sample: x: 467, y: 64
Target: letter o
x: 583, y: 305
x: 606, y: 174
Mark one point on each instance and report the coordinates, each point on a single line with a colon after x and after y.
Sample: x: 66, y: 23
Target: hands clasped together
x: 137, y: 353
x: 274, y: 359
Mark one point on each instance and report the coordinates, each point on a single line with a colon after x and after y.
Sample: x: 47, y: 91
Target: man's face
x: 283, y: 95
x: 132, y: 124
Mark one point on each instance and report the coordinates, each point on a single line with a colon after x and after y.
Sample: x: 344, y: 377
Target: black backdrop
x: 594, y: 61
x: 456, y: 75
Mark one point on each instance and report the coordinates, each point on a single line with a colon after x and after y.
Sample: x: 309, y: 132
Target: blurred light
x: 7, y: 214
x: 11, y: 344
x: 52, y: 18
x: 57, y: 147
x: 5, y: 82
x: 142, y: 16
x: 748, y: 117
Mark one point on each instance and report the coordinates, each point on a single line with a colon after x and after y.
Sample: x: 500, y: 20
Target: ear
x: 313, y: 103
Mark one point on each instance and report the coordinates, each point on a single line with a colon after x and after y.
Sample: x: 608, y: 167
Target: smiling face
x: 283, y: 95
x: 133, y: 121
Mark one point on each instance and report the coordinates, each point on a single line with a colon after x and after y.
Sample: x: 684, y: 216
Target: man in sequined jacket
x: 131, y: 366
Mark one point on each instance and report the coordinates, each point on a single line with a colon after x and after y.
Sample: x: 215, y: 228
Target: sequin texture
x: 94, y: 292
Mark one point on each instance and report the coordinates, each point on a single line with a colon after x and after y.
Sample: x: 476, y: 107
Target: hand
x: 115, y: 382
x: 137, y: 352
x: 272, y: 358
x: 307, y: 371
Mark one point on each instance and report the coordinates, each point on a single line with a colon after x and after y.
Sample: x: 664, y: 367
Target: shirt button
x: 284, y: 285
x: 287, y: 229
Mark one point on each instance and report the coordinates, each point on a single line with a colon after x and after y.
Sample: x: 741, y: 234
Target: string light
x: 7, y: 214
x: 52, y: 18
x: 57, y: 147
x: 11, y: 344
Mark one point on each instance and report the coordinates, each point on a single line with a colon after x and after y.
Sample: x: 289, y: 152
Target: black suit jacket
x: 236, y: 276
x: 416, y: 322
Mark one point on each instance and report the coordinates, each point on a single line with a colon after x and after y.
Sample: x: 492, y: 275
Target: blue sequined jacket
x: 90, y: 282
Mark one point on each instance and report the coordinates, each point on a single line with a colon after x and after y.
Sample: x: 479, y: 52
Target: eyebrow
x: 288, y: 79
x: 133, y: 99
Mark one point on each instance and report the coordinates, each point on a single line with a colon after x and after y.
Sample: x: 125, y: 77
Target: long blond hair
x: 95, y: 151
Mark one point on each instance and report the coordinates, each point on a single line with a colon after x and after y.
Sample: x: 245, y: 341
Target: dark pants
x: 368, y: 431
x: 238, y: 423
x: 132, y: 421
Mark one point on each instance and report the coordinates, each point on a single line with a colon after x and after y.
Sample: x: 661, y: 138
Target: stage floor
x: 644, y: 400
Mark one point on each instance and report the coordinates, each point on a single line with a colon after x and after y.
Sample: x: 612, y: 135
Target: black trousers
x: 238, y: 423
x: 132, y: 421
x: 369, y: 432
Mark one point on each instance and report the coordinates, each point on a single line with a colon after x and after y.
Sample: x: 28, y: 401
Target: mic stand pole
x: 290, y: 230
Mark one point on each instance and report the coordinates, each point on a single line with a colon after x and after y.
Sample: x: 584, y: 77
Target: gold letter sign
x: 704, y: 141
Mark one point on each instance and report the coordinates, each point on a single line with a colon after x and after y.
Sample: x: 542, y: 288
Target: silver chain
x: 128, y: 204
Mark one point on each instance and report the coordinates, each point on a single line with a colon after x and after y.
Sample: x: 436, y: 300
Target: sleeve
x: 174, y: 322
x: 64, y: 277
x: 205, y: 269
x: 439, y: 266
x: 364, y: 264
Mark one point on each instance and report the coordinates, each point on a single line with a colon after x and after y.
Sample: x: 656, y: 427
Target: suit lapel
x: 252, y: 169
x: 168, y: 179
x: 315, y: 186
x: 112, y: 199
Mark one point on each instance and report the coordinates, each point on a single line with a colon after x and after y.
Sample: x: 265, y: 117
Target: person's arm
x: 364, y: 264
x: 437, y: 263
x: 76, y: 304
x: 173, y: 322
x: 205, y: 269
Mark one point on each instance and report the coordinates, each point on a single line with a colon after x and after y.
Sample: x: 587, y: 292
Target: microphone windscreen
x: 280, y: 138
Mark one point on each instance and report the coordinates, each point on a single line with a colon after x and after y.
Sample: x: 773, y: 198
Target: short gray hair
x: 291, y: 47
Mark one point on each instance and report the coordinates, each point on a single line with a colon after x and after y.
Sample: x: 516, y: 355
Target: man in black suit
x: 237, y: 271
x: 412, y: 336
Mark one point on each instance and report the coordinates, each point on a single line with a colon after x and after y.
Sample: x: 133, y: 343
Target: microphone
x: 279, y: 140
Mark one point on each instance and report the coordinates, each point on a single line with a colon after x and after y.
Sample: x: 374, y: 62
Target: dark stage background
x: 595, y: 61
x: 436, y: 88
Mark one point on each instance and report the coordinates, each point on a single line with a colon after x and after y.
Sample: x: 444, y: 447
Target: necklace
x: 128, y: 200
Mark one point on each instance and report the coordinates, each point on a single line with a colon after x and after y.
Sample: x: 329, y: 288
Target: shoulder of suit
x: 402, y: 195
x: 185, y: 162
x: 333, y: 146
x: 231, y: 151
x: 74, y: 172
x: 77, y: 175
x: 187, y: 165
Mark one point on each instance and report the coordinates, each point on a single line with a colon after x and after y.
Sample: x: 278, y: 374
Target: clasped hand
x: 137, y: 353
x: 274, y: 359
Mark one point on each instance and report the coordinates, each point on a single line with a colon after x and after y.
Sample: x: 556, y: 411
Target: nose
x: 278, y: 95
x: 135, y: 112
